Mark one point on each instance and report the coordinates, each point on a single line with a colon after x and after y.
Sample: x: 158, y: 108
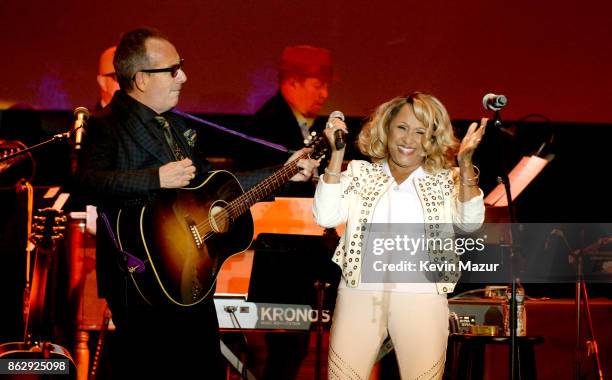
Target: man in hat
x: 107, y: 80
x: 304, y: 73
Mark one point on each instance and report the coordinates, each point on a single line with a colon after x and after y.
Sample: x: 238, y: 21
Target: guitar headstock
x: 21, y: 166
x: 48, y: 227
x: 319, y: 145
x: 6, y: 149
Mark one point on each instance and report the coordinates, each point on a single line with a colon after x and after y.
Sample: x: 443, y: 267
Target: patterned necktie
x: 174, y: 146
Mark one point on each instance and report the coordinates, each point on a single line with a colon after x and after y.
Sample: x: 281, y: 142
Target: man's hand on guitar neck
x: 307, y: 166
x: 176, y: 174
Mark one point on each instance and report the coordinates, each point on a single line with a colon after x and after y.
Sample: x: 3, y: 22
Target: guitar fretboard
x: 266, y: 187
x: 241, y: 204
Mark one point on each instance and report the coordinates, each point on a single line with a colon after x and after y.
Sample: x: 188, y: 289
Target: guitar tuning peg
x: 59, y: 228
x: 39, y: 218
x: 313, y: 133
x: 57, y: 237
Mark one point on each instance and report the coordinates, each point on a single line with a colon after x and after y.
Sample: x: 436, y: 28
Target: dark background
x: 572, y: 187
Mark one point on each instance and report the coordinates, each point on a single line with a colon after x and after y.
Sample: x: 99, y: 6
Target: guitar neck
x: 266, y: 187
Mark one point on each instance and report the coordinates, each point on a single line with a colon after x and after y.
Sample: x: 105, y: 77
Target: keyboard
x: 235, y: 312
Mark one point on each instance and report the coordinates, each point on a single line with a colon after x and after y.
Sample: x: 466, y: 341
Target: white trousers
x: 417, y: 324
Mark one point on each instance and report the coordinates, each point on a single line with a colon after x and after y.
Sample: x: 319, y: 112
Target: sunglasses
x: 173, y: 70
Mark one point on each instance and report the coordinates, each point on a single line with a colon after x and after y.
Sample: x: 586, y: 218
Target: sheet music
x: 522, y: 174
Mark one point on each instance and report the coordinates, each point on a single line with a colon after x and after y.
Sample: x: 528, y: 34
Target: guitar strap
x: 133, y: 263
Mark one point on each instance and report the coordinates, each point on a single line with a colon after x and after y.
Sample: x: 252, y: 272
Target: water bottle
x: 521, y: 314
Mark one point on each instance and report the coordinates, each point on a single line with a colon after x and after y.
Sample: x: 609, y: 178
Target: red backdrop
x: 548, y: 57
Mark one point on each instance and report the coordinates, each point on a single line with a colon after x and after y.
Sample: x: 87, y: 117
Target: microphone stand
x: 503, y: 179
x: 58, y: 137
x: 226, y: 130
x: 581, y: 290
x: 321, y: 287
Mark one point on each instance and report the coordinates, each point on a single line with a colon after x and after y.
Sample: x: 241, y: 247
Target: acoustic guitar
x: 176, y: 245
x: 32, y: 358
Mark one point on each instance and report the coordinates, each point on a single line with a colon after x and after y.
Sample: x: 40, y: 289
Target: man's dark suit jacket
x: 124, y: 149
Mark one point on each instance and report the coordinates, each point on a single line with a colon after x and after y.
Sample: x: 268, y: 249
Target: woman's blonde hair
x: 439, y: 143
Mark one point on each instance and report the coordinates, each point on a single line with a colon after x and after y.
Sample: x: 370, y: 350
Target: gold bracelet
x: 333, y: 174
x: 472, y: 182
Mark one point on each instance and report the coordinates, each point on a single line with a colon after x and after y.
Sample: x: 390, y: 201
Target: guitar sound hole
x: 219, y: 219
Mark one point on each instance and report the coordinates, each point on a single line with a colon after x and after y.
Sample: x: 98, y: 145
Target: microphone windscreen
x: 337, y: 115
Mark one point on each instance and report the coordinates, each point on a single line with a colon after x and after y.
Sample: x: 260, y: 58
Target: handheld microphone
x: 81, y: 114
x: 339, y: 134
x: 494, y: 102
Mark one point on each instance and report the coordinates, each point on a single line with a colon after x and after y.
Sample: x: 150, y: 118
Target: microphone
x: 339, y: 134
x: 81, y: 114
x: 494, y: 102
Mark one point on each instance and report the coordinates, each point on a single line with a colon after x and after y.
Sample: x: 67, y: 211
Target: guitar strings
x: 226, y: 213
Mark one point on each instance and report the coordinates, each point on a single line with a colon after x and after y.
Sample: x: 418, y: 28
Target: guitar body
x: 175, y: 245
x: 183, y: 238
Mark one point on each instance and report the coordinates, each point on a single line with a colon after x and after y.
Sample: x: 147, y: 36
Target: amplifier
x: 479, y: 311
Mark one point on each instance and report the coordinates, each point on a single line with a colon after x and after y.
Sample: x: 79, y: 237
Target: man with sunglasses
x: 136, y: 147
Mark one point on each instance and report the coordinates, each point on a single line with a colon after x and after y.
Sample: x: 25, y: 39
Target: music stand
x: 520, y: 177
x: 286, y: 266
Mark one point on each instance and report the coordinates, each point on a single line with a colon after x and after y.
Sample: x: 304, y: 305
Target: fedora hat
x: 308, y: 61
